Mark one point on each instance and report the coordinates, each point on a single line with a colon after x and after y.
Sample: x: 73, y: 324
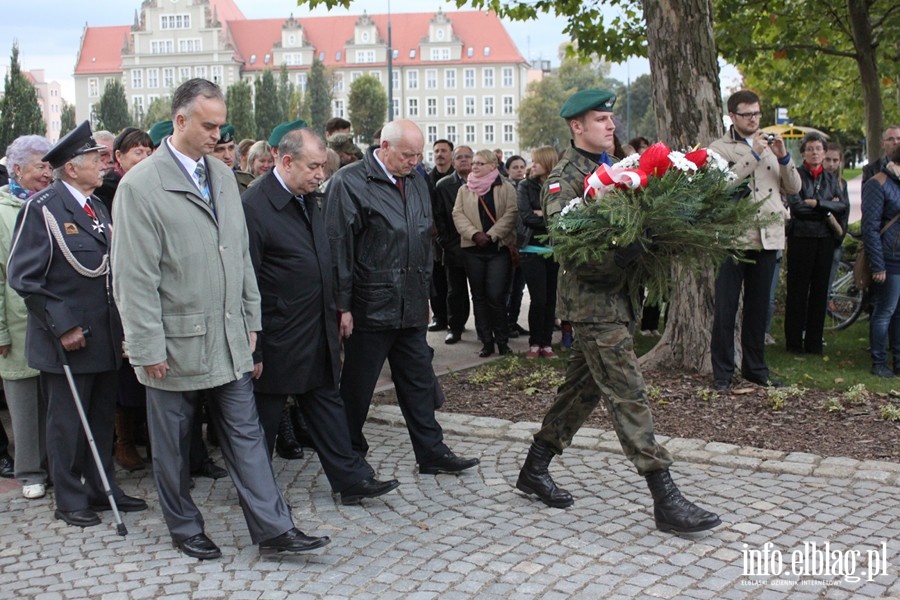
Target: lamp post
x: 390, y: 74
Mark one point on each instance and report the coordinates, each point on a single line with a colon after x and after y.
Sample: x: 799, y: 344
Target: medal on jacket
x: 97, y: 226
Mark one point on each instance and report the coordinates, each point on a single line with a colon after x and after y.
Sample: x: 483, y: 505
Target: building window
x: 488, y: 134
x: 431, y: 107
x: 431, y: 79
x: 451, y: 133
x: 470, y: 134
x: 507, y: 77
x: 412, y: 79
x: 365, y: 56
x: 292, y: 59
x: 152, y: 78
x: 93, y: 87
x: 190, y: 45
x: 354, y: 75
x: 138, y: 104
x: 168, y: 77
x: 182, y: 21
x: 412, y: 107
x: 200, y: 72
x: 364, y: 36
x: 301, y: 82
x: 450, y: 79
x: 184, y: 73
x: 338, y: 83
x: 432, y: 134
x: 508, y: 105
x: 338, y: 108
x: 469, y: 104
x: 137, y: 78
x: 488, y: 106
x: 469, y: 78
x: 488, y: 76
x: 395, y: 102
x: 440, y: 54
x: 162, y: 47
x: 217, y: 74
x: 395, y: 79
x: 449, y: 106
x: 508, y: 133
x: 376, y: 75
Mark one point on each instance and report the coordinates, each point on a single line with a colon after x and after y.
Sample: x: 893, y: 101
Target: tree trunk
x: 685, y: 75
x: 865, y: 45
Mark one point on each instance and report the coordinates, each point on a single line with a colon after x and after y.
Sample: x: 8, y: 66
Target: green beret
x: 226, y: 133
x: 282, y: 129
x: 159, y: 131
x: 585, y: 100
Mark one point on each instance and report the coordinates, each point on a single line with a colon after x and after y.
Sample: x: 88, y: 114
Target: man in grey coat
x: 191, y: 309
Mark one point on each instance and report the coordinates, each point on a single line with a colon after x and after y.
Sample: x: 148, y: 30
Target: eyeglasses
x: 753, y: 115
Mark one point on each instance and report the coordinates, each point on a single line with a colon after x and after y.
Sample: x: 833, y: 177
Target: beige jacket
x: 468, y: 222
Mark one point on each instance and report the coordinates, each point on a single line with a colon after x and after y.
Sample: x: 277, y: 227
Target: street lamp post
x: 390, y: 65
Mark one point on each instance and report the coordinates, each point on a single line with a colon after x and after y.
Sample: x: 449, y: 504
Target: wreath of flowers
x: 677, y: 206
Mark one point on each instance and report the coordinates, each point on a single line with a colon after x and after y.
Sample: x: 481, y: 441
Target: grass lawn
x: 849, y: 174
x: 845, y: 363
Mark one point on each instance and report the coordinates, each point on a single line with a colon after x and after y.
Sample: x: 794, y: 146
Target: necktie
x: 89, y: 209
x: 200, y: 174
x: 302, y: 203
x: 401, y: 185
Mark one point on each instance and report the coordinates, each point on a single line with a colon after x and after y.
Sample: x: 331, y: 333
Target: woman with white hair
x: 27, y: 408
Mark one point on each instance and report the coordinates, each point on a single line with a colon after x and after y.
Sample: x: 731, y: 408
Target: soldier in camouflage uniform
x: 602, y: 363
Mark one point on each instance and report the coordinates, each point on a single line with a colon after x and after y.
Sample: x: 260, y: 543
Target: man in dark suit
x: 890, y: 139
x: 298, y: 349
x: 59, y: 263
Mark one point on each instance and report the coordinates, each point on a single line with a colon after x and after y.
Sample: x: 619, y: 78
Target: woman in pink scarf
x: 485, y: 216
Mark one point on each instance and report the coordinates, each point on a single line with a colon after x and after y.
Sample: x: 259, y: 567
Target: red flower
x: 655, y: 160
x: 698, y: 157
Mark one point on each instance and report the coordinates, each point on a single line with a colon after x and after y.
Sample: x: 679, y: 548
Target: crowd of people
x: 240, y: 272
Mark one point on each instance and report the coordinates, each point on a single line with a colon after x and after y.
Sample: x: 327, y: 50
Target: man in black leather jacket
x: 379, y: 221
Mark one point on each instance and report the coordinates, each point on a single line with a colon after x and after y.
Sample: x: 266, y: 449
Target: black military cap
x: 75, y: 143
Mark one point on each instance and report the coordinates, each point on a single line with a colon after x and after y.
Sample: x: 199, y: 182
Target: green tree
x: 319, y: 94
x: 20, y: 113
x: 635, y: 106
x: 66, y: 119
x: 367, y: 104
x: 268, y: 112
x: 819, y: 59
x: 285, y: 93
x: 239, y: 100
x: 112, y: 110
x: 159, y: 110
x: 299, y: 108
x: 539, y: 122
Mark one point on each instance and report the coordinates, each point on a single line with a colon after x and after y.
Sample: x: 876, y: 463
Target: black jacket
x: 299, y: 343
x: 530, y: 225
x: 448, y: 237
x: 808, y: 221
x: 381, y: 246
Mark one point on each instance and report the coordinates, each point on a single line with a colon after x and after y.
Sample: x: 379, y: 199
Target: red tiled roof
x: 101, y: 50
x: 475, y: 29
x: 225, y: 10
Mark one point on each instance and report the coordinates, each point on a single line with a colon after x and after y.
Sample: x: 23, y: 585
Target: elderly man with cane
x: 59, y: 263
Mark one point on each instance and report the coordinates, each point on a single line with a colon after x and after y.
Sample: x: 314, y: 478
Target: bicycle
x: 846, y: 301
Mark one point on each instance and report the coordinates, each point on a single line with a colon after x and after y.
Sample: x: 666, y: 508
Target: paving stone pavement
x: 475, y: 536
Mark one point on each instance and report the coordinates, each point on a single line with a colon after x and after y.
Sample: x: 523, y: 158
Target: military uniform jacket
x: 299, y: 343
x: 184, y: 280
x: 381, y: 246
x: 57, y: 296
x: 592, y: 293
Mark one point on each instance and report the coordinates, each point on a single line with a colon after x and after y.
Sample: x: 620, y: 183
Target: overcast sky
x: 49, y: 31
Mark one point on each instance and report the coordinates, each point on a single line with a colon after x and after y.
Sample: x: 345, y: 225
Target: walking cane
x: 120, y: 526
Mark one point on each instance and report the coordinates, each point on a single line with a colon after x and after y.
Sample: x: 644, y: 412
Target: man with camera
x: 764, y: 172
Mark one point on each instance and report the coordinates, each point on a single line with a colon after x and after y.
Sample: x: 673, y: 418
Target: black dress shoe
x: 486, y: 350
x: 437, y: 326
x: 448, y: 463
x: 286, y: 444
x: 367, y: 488
x: 504, y: 350
x: 198, y: 546
x: 210, y: 469
x: 765, y: 382
x: 721, y: 385
x: 124, y: 504
x: 80, y: 518
x: 7, y: 467
x: 452, y: 337
x: 293, y: 540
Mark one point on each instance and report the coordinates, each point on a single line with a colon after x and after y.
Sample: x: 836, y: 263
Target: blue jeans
x: 885, y: 320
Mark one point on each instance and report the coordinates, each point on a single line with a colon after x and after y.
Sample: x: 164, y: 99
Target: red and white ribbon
x: 606, y: 178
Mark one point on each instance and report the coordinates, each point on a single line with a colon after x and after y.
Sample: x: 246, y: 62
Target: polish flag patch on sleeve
x: 554, y: 187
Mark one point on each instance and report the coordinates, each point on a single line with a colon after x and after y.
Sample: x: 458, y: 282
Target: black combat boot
x: 535, y: 479
x: 674, y: 512
x: 286, y: 444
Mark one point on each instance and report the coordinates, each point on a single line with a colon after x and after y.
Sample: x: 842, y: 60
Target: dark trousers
x: 439, y: 310
x: 809, y: 267
x: 514, y: 295
x: 68, y: 452
x: 541, y: 275
x: 755, y: 278
x: 409, y: 356
x: 232, y: 411
x: 489, y: 275
x: 457, y: 297
x: 4, y: 441
x: 323, y: 410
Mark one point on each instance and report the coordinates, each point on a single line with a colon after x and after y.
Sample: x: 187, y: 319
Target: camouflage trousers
x: 603, y: 364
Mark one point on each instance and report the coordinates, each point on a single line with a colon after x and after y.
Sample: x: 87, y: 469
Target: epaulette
x: 41, y: 196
